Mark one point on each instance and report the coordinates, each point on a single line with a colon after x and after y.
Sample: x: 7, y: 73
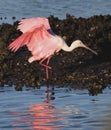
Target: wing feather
x: 30, y: 24
x: 19, y: 42
x: 39, y: 40
x: 33, y: 40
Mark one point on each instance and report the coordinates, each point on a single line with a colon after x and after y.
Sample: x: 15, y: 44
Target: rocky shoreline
x: 80, y: 68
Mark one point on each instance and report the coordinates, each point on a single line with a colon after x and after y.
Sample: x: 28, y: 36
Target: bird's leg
x: 47, y: 73
x: 45, y: 65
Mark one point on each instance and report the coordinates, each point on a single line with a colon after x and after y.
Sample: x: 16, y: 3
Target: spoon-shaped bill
x: 90, y: 49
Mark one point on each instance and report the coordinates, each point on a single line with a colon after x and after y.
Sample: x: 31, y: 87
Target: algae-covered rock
x: 79, y: 68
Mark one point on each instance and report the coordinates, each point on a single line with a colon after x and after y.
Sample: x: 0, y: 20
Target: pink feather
x: 41, y: 41
x: 36, y: 37
x: 29, y: 24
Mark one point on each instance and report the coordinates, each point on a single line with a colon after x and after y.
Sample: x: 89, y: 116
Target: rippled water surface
x: 53, y: 108
x: 58, y: 8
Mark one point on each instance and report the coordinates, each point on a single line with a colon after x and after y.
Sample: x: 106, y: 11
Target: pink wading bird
x: 41, y: 41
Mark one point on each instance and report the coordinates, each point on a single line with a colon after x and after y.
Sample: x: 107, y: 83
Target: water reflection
x: 40, y: 116
x: 44, y: 115
x: 39, y: 110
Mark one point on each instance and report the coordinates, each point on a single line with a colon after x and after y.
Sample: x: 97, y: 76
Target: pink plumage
x: 30, y: 24
x: 41, y: 41
x: 37, y: 37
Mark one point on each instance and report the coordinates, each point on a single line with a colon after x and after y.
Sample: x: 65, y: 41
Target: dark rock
x: 79, y: 68
x: 19, y: 87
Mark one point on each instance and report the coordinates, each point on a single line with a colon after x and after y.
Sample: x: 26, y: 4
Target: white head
x: 79, y: 43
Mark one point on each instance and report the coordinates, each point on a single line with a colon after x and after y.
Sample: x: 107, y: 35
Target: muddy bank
x: 79, y: 68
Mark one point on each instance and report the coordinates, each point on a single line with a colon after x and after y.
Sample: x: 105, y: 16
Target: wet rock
x: 19, y: 86
x: 13, y: 17
x: 1, y: 83
x: 79, y: 68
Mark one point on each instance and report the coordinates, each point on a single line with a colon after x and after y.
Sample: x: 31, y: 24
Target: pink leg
x: 47, y: 73
x: 45, y: 65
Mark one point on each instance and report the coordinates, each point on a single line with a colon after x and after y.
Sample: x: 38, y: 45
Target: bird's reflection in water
x: 44, y: 115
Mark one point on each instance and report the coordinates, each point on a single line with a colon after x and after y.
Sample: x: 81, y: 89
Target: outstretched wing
x: 30, y: 27
x: 30, y: 24
x: 19, y: 42
x: 38, y: 40
x: 35, y: 40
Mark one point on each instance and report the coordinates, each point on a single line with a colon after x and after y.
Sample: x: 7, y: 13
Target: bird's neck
x: 67, y: 48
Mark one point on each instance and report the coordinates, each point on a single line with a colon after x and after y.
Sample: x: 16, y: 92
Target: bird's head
x: 79, y: 43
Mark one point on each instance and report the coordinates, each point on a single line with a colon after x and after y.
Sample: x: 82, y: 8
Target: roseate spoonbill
x: 41, y: 41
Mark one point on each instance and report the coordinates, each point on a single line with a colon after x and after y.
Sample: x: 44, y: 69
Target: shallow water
x: 58, y: 8
x: 53, y: 108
